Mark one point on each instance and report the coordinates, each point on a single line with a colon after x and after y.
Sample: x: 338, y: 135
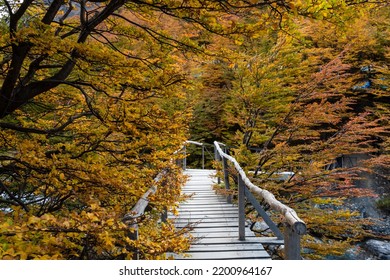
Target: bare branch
x: 65, y: 16
x: 10, y: 194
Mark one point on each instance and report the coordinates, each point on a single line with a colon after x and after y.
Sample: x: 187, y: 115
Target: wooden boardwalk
x: 215, y: 223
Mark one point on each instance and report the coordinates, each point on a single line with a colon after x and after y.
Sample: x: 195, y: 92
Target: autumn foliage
x: 303, y: 100
x: 96, y: 97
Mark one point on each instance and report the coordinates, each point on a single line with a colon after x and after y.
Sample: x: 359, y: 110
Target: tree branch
x: 42, y: 131
x: 52, y: 11
x: 10, y: 194
x: 8, y: 7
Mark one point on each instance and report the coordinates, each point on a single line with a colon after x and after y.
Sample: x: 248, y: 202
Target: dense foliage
x: 96, y: 97
x: 311, y: 98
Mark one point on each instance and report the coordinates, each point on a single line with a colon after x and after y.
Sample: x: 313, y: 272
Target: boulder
x: 380, y: 248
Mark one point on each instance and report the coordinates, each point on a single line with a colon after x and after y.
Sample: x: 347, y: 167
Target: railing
x: 185, y: 152
x: 206, y: 160
x: 294, y: 226
x: 132, y: 218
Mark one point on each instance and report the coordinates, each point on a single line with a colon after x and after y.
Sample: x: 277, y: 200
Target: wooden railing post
x: 131, y: 219
x: 226, y: 179
x: 217, y: 157
x: 295, y: 227
x: 164, y: 215
x: 241, y: 208
x: 133, y: 235
x: 185, y: 158
x: 202, y: 156
x: 292, y: 243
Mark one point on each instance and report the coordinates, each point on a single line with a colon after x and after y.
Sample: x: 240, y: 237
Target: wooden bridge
x: 215, y: 223
x: 220, y: 227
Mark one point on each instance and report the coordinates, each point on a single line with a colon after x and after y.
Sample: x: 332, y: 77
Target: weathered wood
x: 209, y: 215
x: 131, y: 218
x: 203, y: 151
x: 202, y: 157
x: 229, y: 255
x: 206, y: 211
x: 228, y: 240
x: 225, y: 247
x: 263, y: 214
x: 289, y: 214
x: 241, y: 209
x: 164, y: 215
x: 188, y: 207
x: 207, y: 222
x: 215, y: 234
x: 207, y: 218
x: 220, y: 230
x: 202, y: 209
x: 194, y: 142
x: 139, y: 208
x: 215, y: 226
x: 292, y: 243
x: 297, y: 226
x: 226, y: 179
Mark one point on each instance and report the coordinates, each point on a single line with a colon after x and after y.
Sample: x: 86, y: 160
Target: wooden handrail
x: 139, y: 208
x: 185, y: 151
x: 294, y: 225
x: 194, y: 142
x: 131, y: 219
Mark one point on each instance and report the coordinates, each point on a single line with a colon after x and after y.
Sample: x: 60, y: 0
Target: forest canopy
x: 97, y: 96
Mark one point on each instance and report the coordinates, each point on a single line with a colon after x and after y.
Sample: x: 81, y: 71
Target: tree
x: 98, y: 122
x: 91, y: 103
x: 92, y: 107
x: 301, y: 103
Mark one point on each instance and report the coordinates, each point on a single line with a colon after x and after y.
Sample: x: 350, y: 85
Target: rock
x: 380, y: 248
x: 261, y: 227
x: 380, y: 227
x: 358, y: 253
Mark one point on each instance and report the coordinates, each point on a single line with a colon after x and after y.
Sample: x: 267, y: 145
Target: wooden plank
x: 220, y: 205
x: 228, y: 255
x: 233, y: 234
x: 207, y: 219
x: 228, y: 240
x: 203, y: 196
x: 198, y: 191
x: 226, y: 247
x: 210, y: 225
x: 198, y: 216
x: 234, y: 240
x: 214, y: 212
x: 201, y: 214
x: 203, y: 201
x: 205, y: 208
x: 197, y: 198
x: 215, y: 223
x: 208, y: 213
x: 232, y: 229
